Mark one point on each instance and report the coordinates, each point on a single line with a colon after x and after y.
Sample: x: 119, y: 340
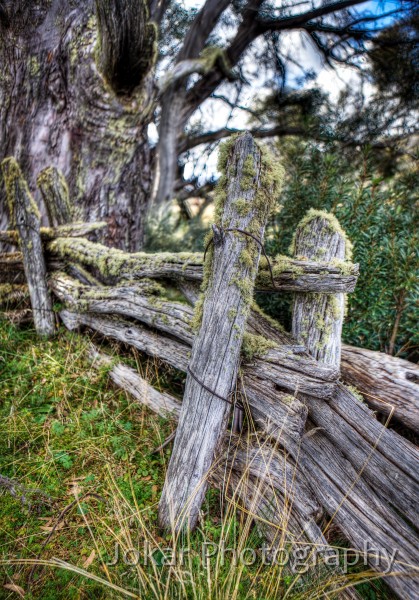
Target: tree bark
x: 57, y: 110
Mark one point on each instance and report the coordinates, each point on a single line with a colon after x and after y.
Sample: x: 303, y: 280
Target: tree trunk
x: 57, y: 110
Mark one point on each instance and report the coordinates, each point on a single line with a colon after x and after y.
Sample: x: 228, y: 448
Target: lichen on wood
x: 228, y: 284
x: 318, y: 318
x: 255, y: 345
x: 55, y: 194
x: 27, y: 220
x: 267, y: 177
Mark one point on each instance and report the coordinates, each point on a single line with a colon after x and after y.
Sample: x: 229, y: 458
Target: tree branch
x: 201, y: 27
x: 250, y: 28
x: 282, y: 131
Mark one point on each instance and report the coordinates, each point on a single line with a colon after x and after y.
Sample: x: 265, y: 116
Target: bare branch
x: 212, y: 136
x: 200, y: 29
x: 283, y: 131
x: 250, y: 28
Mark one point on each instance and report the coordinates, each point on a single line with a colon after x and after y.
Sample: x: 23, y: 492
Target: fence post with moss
x: 318, y: 317
x: 25, y: 214
x: 245, y: 196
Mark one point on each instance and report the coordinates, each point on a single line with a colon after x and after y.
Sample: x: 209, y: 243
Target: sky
x: 217, y: 114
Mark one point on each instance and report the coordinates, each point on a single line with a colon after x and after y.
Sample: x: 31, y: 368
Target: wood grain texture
x: 217, y: 345
x: 389, y: 384
x: 341, y: 427
x: 27, y: 220
x: 54, y: 191
x: 290, y: 275
x: 260, y: 479
x: 317, y: 318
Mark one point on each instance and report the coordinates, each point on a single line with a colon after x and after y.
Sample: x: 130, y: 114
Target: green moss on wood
x: 16, y: 186
x: 273, y: 322
x: 333, y: 226
x: 255, y: 346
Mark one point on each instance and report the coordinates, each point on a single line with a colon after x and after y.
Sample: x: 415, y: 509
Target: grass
x: 86, y: 446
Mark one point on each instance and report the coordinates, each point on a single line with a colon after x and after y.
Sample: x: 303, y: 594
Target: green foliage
x: 379, y: 216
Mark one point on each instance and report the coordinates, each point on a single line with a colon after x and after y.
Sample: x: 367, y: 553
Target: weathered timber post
x: 55, y: 195
x: 26, y: 216
x: 246, y: 192
x: 317, y: 318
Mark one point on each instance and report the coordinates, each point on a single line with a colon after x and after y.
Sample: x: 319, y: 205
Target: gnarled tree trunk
x: 56, y: 109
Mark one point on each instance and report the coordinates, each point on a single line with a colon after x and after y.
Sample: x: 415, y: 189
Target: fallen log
x: 390, y: 385
x: 259, y: 479
x: 145, y: 303
x: 352, y: 425
x: 396, y: 457
x: 351, y: 422
x: 387, y: 382
x: 261, y: 395
x: 18, y: 316
x: 70, y: 230
x: 11, y: 268
x: 12, y: 296
x: 289, y: 275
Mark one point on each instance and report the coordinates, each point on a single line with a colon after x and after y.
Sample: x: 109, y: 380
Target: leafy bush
x: 379, y: 215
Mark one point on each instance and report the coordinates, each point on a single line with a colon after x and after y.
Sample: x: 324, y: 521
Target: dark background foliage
x: 379, y: 214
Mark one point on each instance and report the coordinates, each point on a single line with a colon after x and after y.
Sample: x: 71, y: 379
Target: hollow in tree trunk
x: 57, y: 109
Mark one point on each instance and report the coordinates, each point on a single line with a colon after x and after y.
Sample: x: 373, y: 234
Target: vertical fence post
x: 25, y: 214
x: 317, y: 318
x: 54, y: 190
x: 245, y: 196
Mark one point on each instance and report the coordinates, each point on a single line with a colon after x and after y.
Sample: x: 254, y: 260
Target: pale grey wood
x: 287, y: 365
x: 114, y: 265
x: 11, y: 268
x: 352, y: 476
x: 12, y: 295
x: 137, y: 300
x: 263, y: 480
x: 171, y: 351
x: 358, y: 511
x: 352, y: 426
x: 27, y: 221
x: 71, y: 230
x: 383, y: 455
x: 388, y: 384
x: 126, y: 378
x: 317, y: 318
x: 216, y: 347
x: 55, y: 194
x: 381, y: 471
x: 17, y: 316
x: 261, y: 395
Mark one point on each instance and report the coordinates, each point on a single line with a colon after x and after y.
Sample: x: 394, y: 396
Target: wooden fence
x: 310, y: 450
